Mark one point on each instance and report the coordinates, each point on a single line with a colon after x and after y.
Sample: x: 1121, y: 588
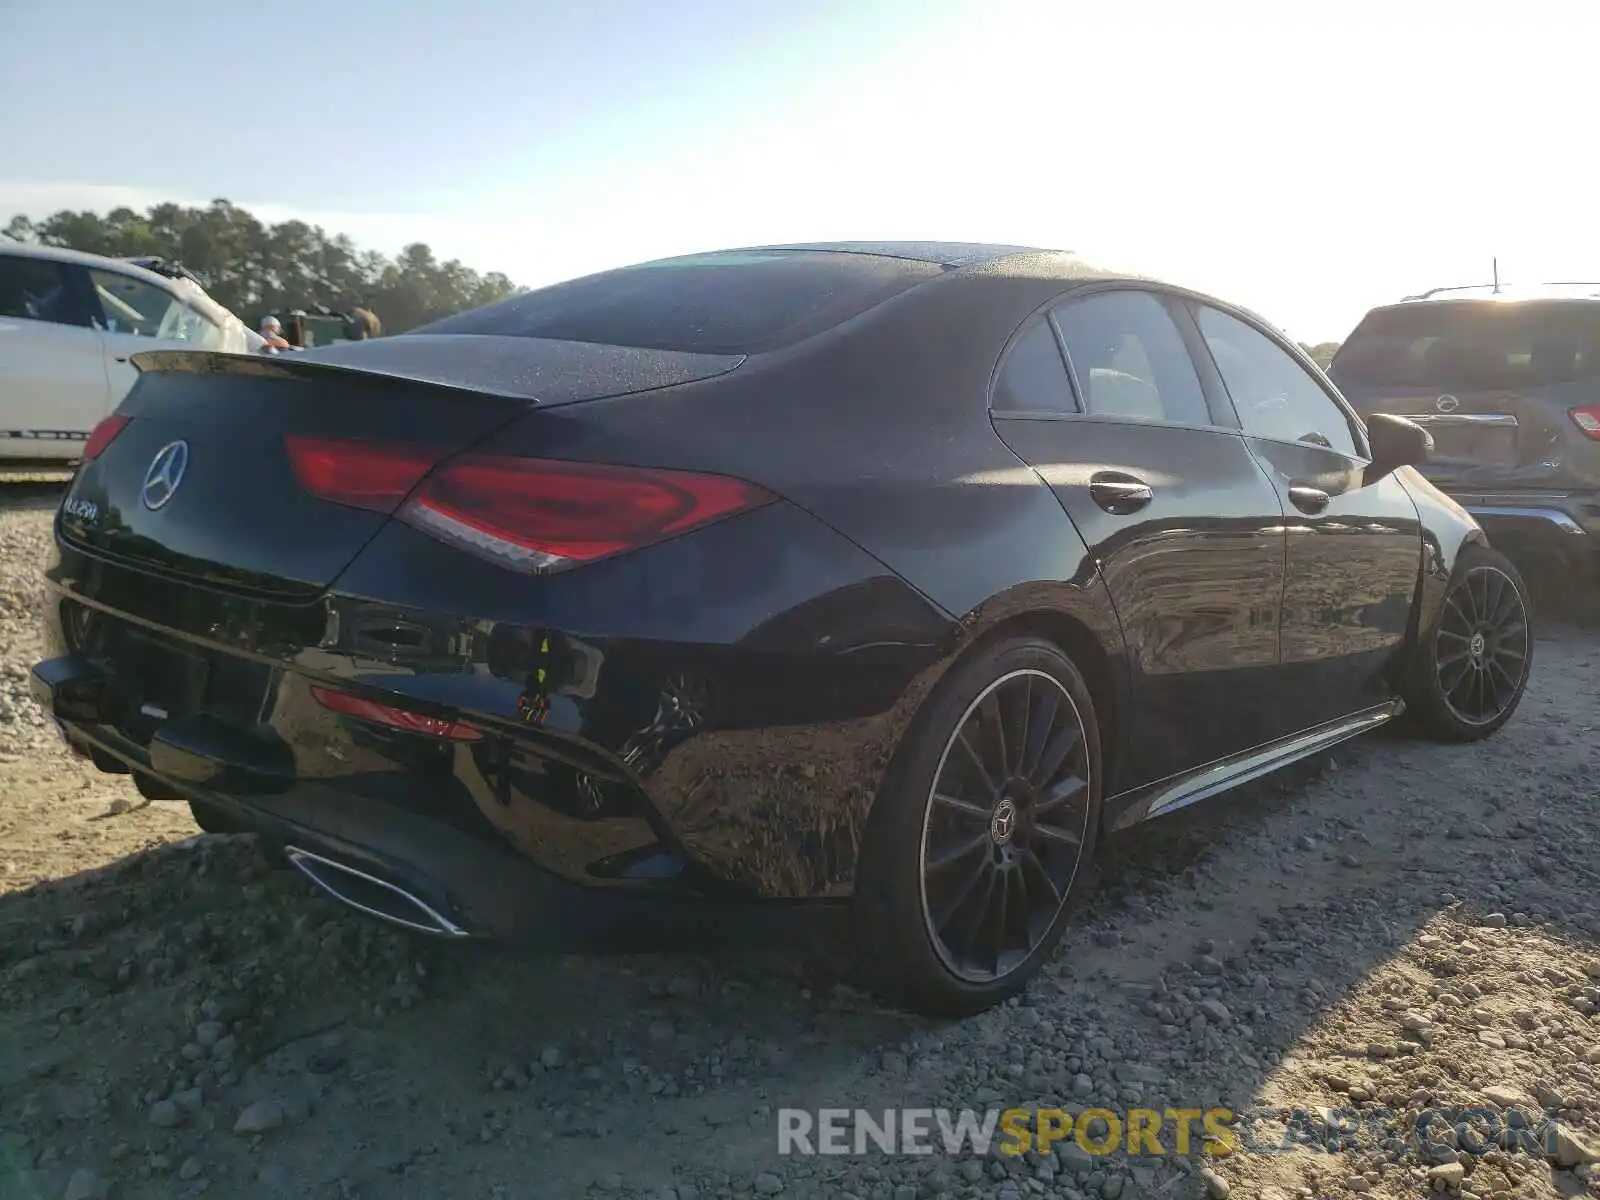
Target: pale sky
x: 1307, y: 159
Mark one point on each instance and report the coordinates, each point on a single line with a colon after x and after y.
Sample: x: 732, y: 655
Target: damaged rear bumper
x: 1562, y: 525
x: 409, y: 869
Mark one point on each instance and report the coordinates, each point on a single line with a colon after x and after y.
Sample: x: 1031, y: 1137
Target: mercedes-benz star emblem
x: 165, y: 474
x: 1004, y: 822
x: 1447, y: 404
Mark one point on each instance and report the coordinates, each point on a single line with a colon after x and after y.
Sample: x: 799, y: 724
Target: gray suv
x: 1508, y: 383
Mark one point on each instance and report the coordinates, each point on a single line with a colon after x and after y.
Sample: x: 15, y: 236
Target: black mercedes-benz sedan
x: 888, y: 574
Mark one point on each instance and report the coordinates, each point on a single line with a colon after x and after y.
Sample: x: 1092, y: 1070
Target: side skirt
x: 1180, y: 791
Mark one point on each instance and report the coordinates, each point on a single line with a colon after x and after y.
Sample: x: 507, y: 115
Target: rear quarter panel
x: 881, y: 430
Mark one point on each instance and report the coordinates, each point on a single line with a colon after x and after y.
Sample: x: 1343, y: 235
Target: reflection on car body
x: 893, y: 575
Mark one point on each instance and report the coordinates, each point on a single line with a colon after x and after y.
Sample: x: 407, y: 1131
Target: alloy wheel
x: 1005, y: 825
x: 1482, y: 650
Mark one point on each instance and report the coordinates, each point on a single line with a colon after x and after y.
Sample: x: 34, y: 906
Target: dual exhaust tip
x: 367, y: 893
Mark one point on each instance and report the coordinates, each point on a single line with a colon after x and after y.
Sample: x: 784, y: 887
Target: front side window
x: 1033, y: 377
x: 1275, y: 396
x: 35, y: 289
x: 1130, y: 360
x: 130, y: 305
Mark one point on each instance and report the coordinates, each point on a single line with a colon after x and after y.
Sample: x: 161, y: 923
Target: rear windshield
x: 743, y: 302
x: 1473, y: 345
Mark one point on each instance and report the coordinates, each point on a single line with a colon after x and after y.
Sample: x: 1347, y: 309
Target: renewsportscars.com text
x: 1146, y: 1131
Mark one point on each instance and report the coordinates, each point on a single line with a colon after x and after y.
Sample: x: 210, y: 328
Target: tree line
x: 254, y: 269
x: 1322, y: 353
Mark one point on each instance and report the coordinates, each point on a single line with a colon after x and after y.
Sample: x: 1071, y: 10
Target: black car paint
x: 658, y: 753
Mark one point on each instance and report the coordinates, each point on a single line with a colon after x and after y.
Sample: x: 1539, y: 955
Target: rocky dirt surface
x: 1405, y: 927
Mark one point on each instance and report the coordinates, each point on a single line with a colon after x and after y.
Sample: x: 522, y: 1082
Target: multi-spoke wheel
x: 1474, y: 667
x: 1482, y: 655
x: 1006, y: 821
x: 983, y: 833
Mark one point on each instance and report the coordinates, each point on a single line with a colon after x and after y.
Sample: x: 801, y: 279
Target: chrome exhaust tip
x: 371, y: 895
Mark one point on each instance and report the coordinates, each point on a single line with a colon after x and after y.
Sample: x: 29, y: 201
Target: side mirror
x: 1396, y: 442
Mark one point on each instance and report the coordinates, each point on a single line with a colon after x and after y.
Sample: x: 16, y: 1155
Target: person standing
x: 272, y: 334
x: 364, y: 323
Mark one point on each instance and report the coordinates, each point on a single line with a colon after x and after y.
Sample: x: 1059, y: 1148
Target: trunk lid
x: 1489, y: 433
x: 210, y: 434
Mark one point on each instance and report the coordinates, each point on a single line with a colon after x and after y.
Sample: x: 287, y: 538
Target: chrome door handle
x: 1308, y: 499
x: 1120, y: 494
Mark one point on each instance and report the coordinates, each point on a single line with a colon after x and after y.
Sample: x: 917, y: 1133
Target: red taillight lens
x: 371, y: 475
x: 395, y: 718
x: 538, y: 515
x: 103, y: 434
x: 1587, y: 419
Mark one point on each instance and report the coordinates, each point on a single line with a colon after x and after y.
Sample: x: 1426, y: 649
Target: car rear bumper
x: 427, y: 875
x: 703, y: 751
x: 1560, y: 524
x: 471, y: 884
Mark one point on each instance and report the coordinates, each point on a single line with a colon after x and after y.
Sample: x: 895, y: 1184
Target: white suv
x: 68, y: 324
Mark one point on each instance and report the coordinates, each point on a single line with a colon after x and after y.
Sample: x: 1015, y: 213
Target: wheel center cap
x: 1003, y: 822
x: 1476, y: 645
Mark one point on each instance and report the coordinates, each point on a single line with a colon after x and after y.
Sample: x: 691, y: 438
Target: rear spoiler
x: 533, y: 371
x: 273, y: 366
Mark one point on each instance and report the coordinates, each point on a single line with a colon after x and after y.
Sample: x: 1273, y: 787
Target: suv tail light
x: 102, y: 435
x: 1587, y: 419
x: 539, y: 516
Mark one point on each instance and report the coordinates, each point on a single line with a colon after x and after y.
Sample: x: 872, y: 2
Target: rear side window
x: 1033, y: 377
x: 35, y: 289
x: 743, y: 302
x: 1130, y: 360
x: 1462, y: 346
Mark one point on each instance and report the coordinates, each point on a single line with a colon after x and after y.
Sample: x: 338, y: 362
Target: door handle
x: 1308, y: 499
x: 1120, y: 494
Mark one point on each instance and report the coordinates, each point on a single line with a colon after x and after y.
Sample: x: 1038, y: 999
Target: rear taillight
x: 102, y: 435
x: 540, y: 516
x: 395, y: 718
x: 1587, y: 419
x: 373, y: 475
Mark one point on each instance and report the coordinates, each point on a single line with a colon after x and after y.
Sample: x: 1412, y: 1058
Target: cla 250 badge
x: 83, y: 510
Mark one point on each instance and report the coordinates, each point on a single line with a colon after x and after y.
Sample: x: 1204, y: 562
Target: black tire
x: 1470, y: 672
x: 214, y: 819
x: 919, y: 929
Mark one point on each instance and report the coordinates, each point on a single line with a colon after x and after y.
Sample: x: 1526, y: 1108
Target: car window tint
x: 1130, y: 360
x: 1473, y: 344
x: 1275, y: 396
x: 131, y: 305
x: 1033, y: 377
x: 737, y: 302
x: 35, y: 289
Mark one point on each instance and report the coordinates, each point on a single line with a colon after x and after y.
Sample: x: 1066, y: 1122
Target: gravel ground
x: 1402, y: 927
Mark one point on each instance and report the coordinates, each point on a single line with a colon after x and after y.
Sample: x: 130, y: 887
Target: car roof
x: 1480, y: 294
x: 992, y: 258
x: 944, y: 254
x: 84, y: 259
